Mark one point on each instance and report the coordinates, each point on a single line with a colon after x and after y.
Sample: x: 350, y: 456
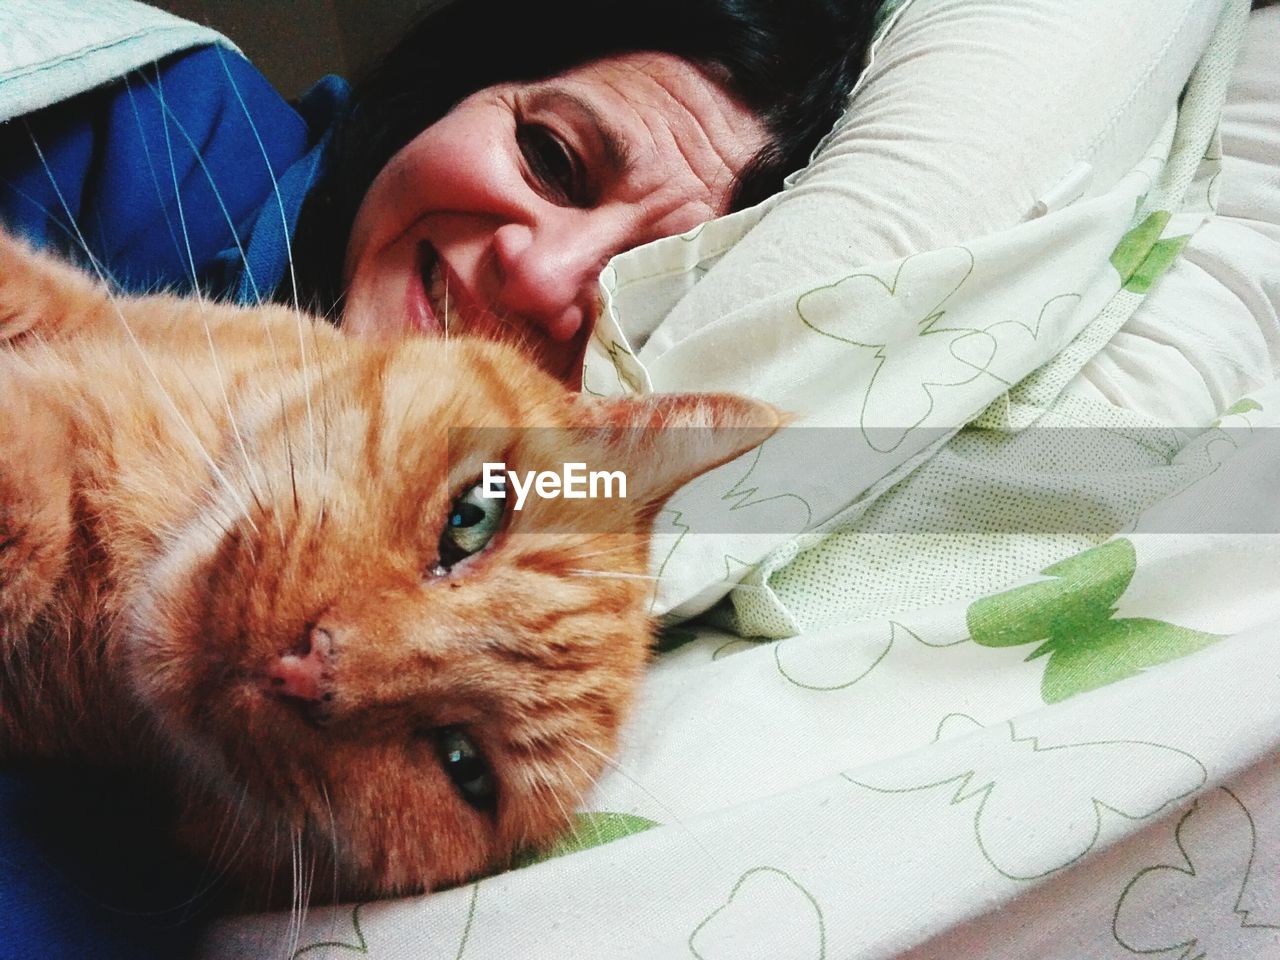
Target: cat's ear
x: 665, y: 440
x: 40, y: 293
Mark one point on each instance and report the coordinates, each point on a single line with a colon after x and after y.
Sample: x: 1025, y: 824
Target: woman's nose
x: 548, y: 270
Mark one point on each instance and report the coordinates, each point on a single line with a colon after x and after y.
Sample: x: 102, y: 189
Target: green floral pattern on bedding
x: 1143, y: 255
x: 1072, y: 618
x: 590, y: 830
x: 954, y: 777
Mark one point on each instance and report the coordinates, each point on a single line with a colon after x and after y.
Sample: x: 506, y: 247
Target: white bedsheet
x: 1083, y: 763
x: 1210, y: 332
x: 919, y: 787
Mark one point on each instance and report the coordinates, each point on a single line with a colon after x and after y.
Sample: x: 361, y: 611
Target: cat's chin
x: 189, y: 675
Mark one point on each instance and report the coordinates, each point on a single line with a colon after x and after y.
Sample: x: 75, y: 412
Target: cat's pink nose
x: 305, y: 672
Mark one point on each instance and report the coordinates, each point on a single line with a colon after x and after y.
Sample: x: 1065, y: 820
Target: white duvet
x: 950, y: 755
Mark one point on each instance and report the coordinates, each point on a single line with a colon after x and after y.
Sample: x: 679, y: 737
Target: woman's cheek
x: 471, y: 165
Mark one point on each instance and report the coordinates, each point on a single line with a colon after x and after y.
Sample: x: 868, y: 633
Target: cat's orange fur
x: 188, y: 491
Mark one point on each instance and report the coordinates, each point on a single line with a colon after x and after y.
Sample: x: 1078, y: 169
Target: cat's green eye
x: 466, y: 768
x: 472, y: 522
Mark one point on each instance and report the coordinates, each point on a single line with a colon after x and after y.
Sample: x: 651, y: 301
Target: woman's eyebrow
x: 615, y: 146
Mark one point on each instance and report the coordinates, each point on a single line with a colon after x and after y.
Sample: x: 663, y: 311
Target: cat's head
x: 350, y: 644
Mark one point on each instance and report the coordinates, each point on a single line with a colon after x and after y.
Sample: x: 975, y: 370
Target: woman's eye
x: 472, y: 522
x: 466, y: 767
x: 554, y: 165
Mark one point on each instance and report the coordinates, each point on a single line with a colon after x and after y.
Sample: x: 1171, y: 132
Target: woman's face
x: 497, y: 219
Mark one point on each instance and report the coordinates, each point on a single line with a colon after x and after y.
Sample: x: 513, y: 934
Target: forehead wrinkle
x: 714, y: 129
x: 698, y: 125
x: 708, y: 105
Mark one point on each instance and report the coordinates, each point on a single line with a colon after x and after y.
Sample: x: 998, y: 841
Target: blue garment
x: 83, y: 873
x: 179, y: 176
x: 167, y: 183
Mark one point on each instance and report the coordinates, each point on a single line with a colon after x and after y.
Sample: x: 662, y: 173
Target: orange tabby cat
x: 237, y: 554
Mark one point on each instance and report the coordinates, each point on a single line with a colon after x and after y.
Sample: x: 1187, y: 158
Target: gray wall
x: 294, y: 42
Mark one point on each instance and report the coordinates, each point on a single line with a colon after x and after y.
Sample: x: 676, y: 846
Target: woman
x: 496, y: 170
x: 580, y: 140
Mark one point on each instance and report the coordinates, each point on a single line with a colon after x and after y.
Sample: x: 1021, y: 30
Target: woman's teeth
x: 438, y: 296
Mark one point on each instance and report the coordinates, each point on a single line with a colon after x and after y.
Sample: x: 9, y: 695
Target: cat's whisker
x: 170, y: 120
x: 177, y: 191
x: 207, y: 514
x: 595, y: 784
x: 271, y: 174
x: 601, y: 788
x: 248, y: 273
x: 49, y: 216
x: 274, y: 861
x: 308, y: 884
x: 231, y: 417
x: 230, y: 820
x: 245, y: 463
x: 620, y: 551
x: 578, y: 571
x: 146, y: 361
x: 611, y: 575
x: 616, y: 550
x: 146, y: 150
x: 222, y: 857
x: 325, y: 416
x: 622, y: 772
x: 291, y: 938
x: 333, y: 840
x: 286, y: 232
x: 542, y: 786
x: 295, y: 905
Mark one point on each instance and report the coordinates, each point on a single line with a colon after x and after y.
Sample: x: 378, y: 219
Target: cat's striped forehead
x: 401, y: 405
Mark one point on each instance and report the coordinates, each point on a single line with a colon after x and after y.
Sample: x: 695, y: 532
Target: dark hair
x: 792, y: 62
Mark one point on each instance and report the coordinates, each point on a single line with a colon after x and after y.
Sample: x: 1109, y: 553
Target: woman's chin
x: 371, y: 323
x: 387, y: 307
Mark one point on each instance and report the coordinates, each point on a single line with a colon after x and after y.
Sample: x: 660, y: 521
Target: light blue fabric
x: 51, y: 50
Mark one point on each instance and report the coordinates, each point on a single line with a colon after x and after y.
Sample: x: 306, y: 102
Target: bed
x: 903, y: 726
x: 996, y: 677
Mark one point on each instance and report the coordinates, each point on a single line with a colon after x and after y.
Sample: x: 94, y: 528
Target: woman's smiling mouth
x: 423, y: 314
x: 438, y: 302
x: 437, y: 305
